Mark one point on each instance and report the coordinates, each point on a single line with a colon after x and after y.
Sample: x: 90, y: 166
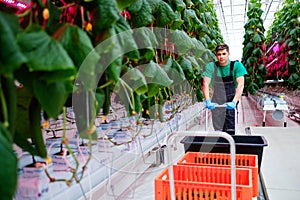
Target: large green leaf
x: 174, y: 71
x: 294, y: 79
x: 252, y: 87
x: 208, y: 17
x: 203, y: 41
x: 177, y: 22
x: 196, y: 64
x: 109, y: 50
x: 165, y: 15
x: 154, y: 5
x: 10, y: 55
x: 180, y: 5
x: 182, y: 41
x: 135, y: 79
x: 135, y: 6
x: 126, y: 39
x: 208, y: 41
x: 248, y: 49
x: 113, y: 71
x: 104, y: 15
x: 251, y: 60
x: 187, y: 21
x: 156, y: 75
x: 249, y: 32
x: 77, y: 43
x: 146, y: 42
x: 187, y: 68
x: 292, y: 62
x: 257, y: 38
x: 295, y: 31
x: 143, y: 17
x: 252, y: 23
x: 261, y: 68
x: 111, y: 58
x: 291, y: 43
x: 52, y: 96
x: 124, y: 3
x: 145, y: 38
x: 43, y: 52
x: 291, y: 52
x: 257, y: 52
x: 9, y: 162
x: 192, y: 17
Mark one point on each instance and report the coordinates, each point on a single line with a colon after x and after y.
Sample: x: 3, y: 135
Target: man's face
x: 222, y: 56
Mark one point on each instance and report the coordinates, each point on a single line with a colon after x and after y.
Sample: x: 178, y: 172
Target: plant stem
x: 4, y: 107
x: 24, y: 13
x: 67, y: 6
x: 132, y: 102
x: 106, y: 84
x: 74, y: 171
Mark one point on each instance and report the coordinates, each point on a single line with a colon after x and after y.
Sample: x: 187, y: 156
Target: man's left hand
x: 230, y: 105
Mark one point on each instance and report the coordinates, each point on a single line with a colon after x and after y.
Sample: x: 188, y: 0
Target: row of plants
x: 77, y: 53
x: 283, y: 37
x: 254, y: 48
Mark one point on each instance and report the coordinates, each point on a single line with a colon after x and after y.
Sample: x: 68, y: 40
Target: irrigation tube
x: 170, y: 140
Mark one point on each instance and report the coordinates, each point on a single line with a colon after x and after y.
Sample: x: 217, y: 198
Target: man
x: 228, y: 83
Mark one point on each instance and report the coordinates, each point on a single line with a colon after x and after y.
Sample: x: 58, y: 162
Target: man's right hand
x: 209, y: 104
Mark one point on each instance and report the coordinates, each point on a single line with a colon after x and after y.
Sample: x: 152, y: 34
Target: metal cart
x: 170, y: 145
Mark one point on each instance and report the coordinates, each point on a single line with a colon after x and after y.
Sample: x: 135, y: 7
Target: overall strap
x: 231, y: 67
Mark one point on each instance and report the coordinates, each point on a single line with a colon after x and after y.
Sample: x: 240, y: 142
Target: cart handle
x: 219, y: 106
x: 171, y: 138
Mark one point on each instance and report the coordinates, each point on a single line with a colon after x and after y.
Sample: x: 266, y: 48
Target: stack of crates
x: 207, y: 176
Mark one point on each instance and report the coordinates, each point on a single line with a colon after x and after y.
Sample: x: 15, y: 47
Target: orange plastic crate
x: 203, y: 183
x: 223, y: 159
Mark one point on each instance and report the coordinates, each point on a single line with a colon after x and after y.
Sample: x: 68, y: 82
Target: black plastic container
x: 245, y: 144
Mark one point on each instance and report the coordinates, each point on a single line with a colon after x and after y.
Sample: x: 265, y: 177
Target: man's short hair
x: 222, y: 46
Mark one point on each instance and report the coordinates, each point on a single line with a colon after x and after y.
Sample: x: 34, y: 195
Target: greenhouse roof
x: 232, y: 15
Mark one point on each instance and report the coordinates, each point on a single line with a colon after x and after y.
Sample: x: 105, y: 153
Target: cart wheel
x: 284, y: 124
x: 264, y: 124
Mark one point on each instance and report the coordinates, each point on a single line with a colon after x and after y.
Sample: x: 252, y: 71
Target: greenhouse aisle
x: 280, y: 176
x: 280, y: 161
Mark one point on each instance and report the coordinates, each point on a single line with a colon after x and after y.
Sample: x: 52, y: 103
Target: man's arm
x: 239, y: 89
x: 205, y: 87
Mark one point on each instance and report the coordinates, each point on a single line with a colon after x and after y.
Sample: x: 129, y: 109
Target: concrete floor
x: 281, y: 160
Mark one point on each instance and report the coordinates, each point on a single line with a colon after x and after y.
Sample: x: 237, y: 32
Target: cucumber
x: 35, y: 127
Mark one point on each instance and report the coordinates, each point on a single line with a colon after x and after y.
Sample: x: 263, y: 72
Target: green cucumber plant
x: 44, y: 53
x: 254, y: 48
x: 51, y: 50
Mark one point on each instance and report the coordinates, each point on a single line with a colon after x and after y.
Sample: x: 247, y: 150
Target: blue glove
x: 209, y: 105
x: 230, y: 105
